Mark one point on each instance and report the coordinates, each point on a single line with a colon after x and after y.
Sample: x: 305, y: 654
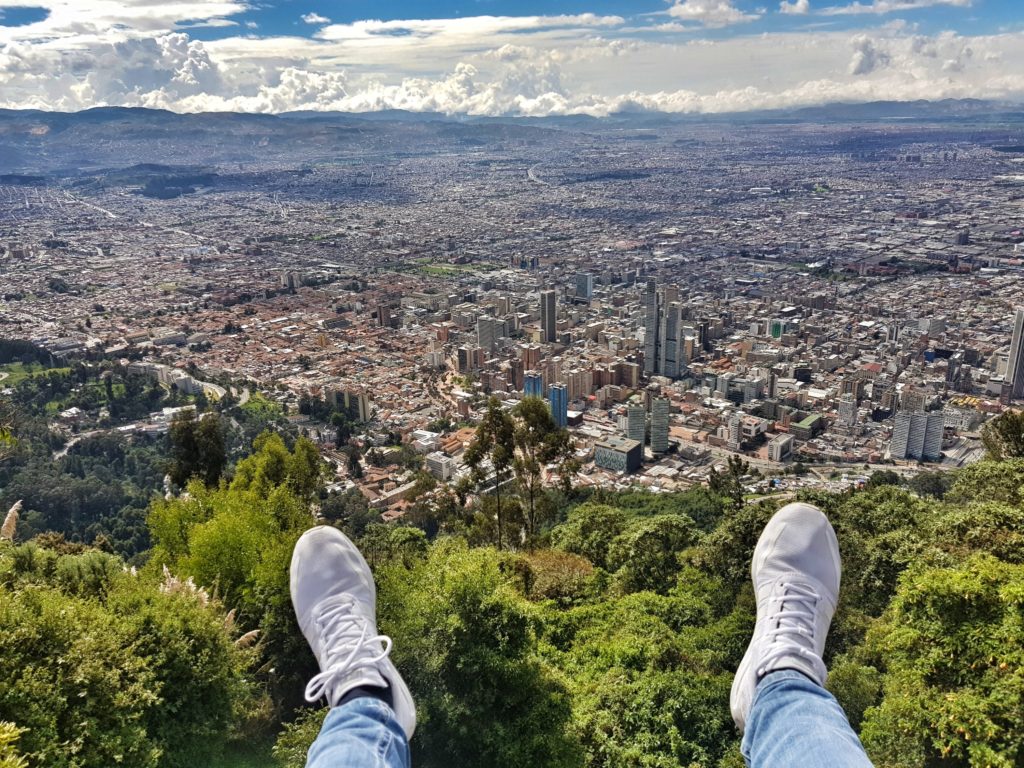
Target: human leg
x: 778, y: 698
x: 796, y: 722
x: 362, y: 733
x: 373, y: 715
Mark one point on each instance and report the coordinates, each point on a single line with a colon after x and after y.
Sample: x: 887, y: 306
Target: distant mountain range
x: 946, y: 109
x: 75, y: 144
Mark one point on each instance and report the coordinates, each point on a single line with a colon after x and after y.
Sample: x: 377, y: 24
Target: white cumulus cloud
x: 315, y: 18
x: 711, y: 13
x: 534, y: 65
x: 73, y: 18
x: 795, y: 7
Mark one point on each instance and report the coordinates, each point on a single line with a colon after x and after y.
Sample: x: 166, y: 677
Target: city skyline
x: 505, y: 59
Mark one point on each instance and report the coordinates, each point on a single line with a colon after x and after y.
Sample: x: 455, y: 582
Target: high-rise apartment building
x: 516, y: 369
x: 848, y: 410
x: 558, y: 394
x: 917, y: 435
x: 531, y: 356
x: 735, y: 428
x: 533, y: 384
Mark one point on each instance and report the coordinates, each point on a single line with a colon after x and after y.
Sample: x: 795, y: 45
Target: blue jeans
x: 360, y: 734
x: 795, y: 722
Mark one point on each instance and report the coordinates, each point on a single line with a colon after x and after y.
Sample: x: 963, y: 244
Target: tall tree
x: 729, y: 483
x: 538, y: 441
x: 305, y: 468
x: 197, y: 448
x: 494, y: 445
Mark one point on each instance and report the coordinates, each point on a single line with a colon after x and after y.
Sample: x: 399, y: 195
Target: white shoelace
x: 792, y: 627
x: 346, y: 633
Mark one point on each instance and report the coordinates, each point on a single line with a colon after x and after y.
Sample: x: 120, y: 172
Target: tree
x: 493, y: 445
x: 197, y: 448
x: 351, y: 510
x: 126, y: 669
x: 646, y: 555
x: 729, y: 483
x: 538, y: 441
x: 343, y: 424
x: 9, y: 758
x: 1004, y: 436
x: 355, y: 469
x: 933, y: 484
x: 589, y: 531
x: 7, y: 439
x: 883, y: 477
x: 434, y: 513
x: 306, y: 469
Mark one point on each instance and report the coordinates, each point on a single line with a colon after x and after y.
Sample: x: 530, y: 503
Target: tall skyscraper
x: 659, y: 424
x: 1015, y: 371
x: 548, y: 315
x: 488, y: 331
x: 558, y: 394
x: 672, y: 357
x: 651, y: 347
x: 585, y: 285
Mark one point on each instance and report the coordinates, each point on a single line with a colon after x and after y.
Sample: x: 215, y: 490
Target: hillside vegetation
x: 611, y: 641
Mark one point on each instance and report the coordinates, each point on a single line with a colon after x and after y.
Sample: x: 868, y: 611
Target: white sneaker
x: 796, y: 571
x: 336, y: 604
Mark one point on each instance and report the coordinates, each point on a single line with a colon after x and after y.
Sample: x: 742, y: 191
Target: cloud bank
x: 141, y: 53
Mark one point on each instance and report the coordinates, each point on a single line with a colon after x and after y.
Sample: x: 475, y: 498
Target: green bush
x: 466, y: 642
x: 104, y: 668
x: 952, y: 659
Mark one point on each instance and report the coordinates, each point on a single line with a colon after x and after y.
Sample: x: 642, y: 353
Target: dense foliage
x: 605, y: 632
x: 102, y: 666
x: 90, y: 483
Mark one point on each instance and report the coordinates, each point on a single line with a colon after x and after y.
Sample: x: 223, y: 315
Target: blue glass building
x: 558, y: 394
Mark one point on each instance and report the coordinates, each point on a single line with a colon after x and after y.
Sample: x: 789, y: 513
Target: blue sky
x: 284, y: 17
x: 505, y: 56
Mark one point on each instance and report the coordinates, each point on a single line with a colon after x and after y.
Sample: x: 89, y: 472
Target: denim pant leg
x: 795, y: 722
x: 363, y: 733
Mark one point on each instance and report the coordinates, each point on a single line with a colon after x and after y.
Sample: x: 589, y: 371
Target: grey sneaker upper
x: 796, y: 572
x: 335, y: 602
